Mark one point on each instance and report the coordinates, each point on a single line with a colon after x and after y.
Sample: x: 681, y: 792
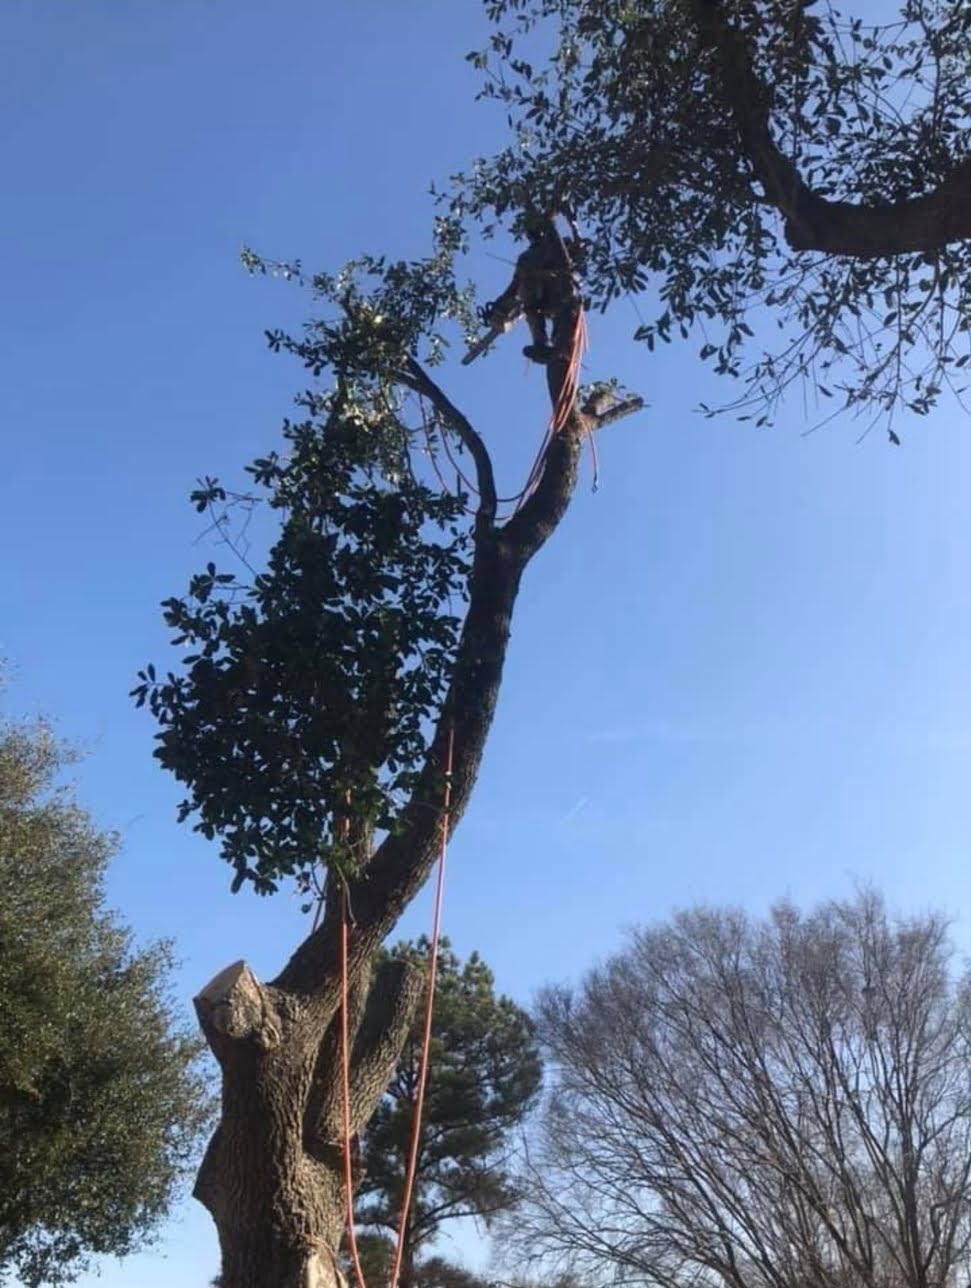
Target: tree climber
x: 544, y: 288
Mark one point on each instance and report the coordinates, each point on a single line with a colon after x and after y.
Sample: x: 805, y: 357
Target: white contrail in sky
x: 575, y: 809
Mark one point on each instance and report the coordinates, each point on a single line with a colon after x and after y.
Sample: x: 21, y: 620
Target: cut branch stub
x: 234, y: 1005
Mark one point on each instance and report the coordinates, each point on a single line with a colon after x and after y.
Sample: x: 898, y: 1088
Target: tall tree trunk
x: 278, y: 1227
x: 273, y: 1175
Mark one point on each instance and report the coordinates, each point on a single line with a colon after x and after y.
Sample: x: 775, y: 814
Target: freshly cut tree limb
x: 924, y: 223
x: 617, y: 411
x: 234, y: 1007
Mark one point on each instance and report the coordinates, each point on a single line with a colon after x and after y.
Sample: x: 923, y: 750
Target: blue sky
x: 740, y: 671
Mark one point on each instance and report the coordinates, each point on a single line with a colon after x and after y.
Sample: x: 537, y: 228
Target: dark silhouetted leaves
x: 307, y: 691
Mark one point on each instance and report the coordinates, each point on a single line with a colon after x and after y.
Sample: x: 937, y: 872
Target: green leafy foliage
x: 386, y: 308
x: 101, y: 1103
x: 308, y: 694
x: 628, y: 121
x: 484, y: 1076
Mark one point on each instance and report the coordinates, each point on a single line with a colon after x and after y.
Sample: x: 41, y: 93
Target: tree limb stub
x: 812, y: 222
x: 617, y: 411
x: 234, y: 1006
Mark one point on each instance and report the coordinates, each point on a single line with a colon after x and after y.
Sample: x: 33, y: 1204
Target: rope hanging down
x: 545, y: 291
x: 423, y: 1066
x: 565, y: 403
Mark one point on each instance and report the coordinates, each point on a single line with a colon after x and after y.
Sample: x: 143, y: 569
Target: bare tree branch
x: 777, y: 1103
x: 415, y: 377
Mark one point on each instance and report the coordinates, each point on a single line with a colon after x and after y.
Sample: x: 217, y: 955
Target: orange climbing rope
x: 564, y: 405
x: 566, y: 399
x: 571, y: 381
x: 425, y: 1055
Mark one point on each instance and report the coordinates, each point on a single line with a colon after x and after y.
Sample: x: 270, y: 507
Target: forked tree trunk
x: 273, y: 1175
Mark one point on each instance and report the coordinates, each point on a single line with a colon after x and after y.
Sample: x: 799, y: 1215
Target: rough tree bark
x: 272, y: 1176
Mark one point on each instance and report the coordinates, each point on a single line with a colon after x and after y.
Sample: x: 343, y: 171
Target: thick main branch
x: 378, y: 1029
x: 867, y: 231
x: 403, y: 860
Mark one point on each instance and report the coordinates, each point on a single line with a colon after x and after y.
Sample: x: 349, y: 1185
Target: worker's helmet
x: 534, y: 226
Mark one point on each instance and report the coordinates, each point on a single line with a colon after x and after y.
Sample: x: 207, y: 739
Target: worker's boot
x: 542, y: 353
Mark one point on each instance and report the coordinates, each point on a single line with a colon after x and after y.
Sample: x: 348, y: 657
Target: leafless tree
x: 761, y: 1104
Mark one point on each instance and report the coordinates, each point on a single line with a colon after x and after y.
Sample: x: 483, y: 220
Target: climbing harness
x: 563, y: 407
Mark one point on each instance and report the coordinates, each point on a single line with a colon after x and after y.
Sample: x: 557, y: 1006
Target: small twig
x: 415, y: 377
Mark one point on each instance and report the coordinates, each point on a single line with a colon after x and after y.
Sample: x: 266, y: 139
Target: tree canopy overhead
x: 723, y: 157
